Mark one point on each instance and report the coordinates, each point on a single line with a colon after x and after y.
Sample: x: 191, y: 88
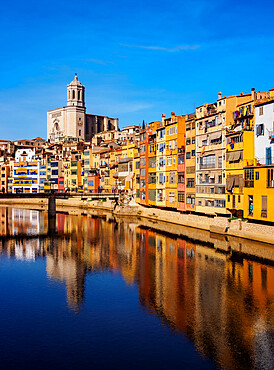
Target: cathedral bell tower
x: 75, y: 93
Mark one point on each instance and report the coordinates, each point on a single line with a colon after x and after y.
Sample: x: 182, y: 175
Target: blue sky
x: 137, y: 59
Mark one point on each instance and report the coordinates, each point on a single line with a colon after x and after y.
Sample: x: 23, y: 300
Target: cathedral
x: 73, y: 121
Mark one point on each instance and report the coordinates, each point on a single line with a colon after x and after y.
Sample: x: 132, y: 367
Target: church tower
x: 75, y: 93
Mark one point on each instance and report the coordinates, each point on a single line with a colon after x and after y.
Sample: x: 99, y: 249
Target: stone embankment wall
x: 217, y: 225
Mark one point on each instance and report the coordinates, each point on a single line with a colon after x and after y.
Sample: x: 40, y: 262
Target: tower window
x: 73, y: 94
x: 79, y: 132
x: 79, y: 95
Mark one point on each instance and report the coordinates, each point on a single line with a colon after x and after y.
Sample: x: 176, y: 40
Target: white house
x: 264, y: 130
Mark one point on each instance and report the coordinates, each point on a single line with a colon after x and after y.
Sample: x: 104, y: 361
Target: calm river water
x: 115, y: 294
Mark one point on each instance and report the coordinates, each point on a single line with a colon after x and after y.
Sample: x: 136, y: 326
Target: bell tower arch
x: 75, y: 93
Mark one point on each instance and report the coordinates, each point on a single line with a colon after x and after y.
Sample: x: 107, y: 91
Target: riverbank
x: 217, y: 225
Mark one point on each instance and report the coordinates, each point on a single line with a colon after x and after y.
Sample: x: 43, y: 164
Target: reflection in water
x: 225, y: 307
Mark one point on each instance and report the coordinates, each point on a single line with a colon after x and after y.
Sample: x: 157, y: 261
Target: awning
x: 215, y: 136
x: 125, y: 160
x: 230, y: 183
x: 234, y: 156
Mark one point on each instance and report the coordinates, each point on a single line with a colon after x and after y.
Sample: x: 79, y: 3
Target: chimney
x: 163, y: 119
x: 219, y: 95
x: 253, y: 94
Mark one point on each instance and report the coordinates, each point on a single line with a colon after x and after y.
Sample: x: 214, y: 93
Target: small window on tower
x: 79, y: 132
x: 79, y: 95
x: 73, y: 94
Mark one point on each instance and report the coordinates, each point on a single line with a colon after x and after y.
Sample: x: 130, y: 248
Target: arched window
x: 69, y: 95
x: 78, y: 94
x: 73, y: 94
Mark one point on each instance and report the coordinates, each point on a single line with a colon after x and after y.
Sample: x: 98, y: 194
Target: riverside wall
x: 175, y: 222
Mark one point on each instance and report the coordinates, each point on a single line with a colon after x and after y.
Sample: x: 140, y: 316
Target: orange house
x: 93, y: 181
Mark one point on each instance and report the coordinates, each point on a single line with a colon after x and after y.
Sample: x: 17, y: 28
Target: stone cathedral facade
x: 73, y: 121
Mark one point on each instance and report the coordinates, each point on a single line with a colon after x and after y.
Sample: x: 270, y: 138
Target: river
x: 109, y: 293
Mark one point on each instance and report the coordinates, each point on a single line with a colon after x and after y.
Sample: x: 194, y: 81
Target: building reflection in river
x: 225, y: 307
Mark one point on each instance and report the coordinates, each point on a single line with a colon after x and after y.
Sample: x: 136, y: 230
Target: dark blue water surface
x: 116, y: 295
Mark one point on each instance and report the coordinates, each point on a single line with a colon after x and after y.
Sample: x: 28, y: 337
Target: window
x: 79, y: 95
x: 261, y: 111
x: 249, y: 178
x: 169, y: 161
x: 181, y: 197
x: 73, y: 94
x: 257, y: 175
x: 161, y: 134
x: 220, y: 162
x: 159, y: 195
x: 250, y: 205
x: 161, y: 178
x: 142, y: 172
x: 188, y: 155
x: 172, y: 178
x: 172, y: 197
x: 152, y: 178
x: 190, y: 199
x: 188, y: 141
x: 207, y: 162
x: 193, y: 140
x: 152, y: 194
x: 181, y: 178
x: 260, y: 129
x: 143, y: 195
x: 268, y: 155
x: 137, y: 165
x: 142, y: 148
x: 264, y: 206
x: 270, y: 178
x: 193, y: 153
x: 143, y: 161
x: 220, y: 203
x: 161, y: 162
x: 190, y: 183
x: 143, y: 184
x: 152, y: 162
x: 228, y: 197
x: 181, y: 159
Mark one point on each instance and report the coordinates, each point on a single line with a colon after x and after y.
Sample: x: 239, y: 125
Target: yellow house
x: 5, y: 173
x: 259, y: 193
x: 240, y: 151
